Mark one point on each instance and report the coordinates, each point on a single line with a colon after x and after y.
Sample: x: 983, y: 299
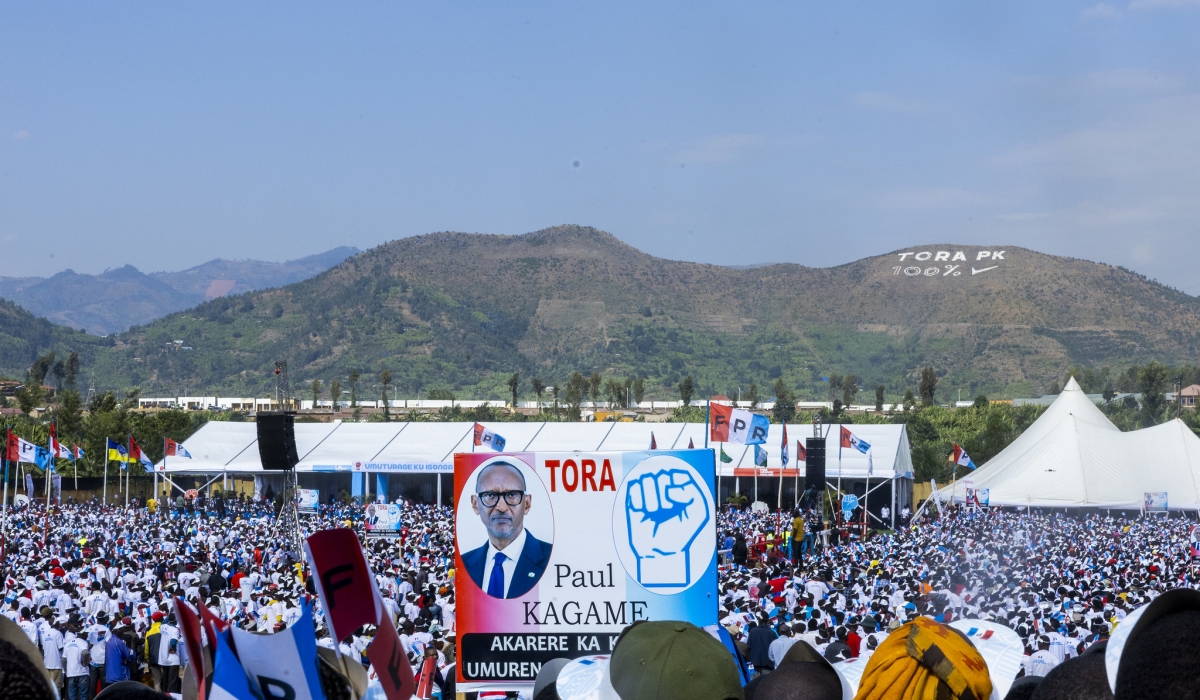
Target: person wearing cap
x: 671, y: 660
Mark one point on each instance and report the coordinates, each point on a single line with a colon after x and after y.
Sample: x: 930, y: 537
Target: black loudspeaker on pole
x: 814, y: 468
x: 277, y: 440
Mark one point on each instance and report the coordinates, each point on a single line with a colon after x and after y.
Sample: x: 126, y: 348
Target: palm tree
x: 538, y: 387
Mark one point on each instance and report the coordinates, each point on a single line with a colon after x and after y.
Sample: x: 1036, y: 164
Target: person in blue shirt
x: 118, y: 659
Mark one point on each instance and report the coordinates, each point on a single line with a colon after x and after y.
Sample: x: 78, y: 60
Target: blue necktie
x: 496, y: 582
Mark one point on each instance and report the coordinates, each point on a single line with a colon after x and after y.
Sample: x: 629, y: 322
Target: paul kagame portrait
x: 507, y: 556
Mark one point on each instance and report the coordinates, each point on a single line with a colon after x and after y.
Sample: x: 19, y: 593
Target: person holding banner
x: 512, y: 561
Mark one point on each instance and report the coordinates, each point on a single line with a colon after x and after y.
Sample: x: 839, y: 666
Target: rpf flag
x: 729, y: 424
x: 960, y: 457
x: 174, y: 449
x: 783, y: 448
x: 760, y: 456
x: 653, y: 442
x: 189, y: 625
x: 344, y: 581
x: 229, y: 681
x: 136, y: 455
x: 78, y: 452
x: 801, y: 453
x: 486, y: 438
x: 852, y: 441
x: 284, y: 664
x: 20, y: 450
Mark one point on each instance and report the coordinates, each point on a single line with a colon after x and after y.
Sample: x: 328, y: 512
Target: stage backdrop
x: 595, y: 542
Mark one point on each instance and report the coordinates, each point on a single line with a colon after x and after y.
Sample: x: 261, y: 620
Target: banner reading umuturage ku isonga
x: 558, y: 552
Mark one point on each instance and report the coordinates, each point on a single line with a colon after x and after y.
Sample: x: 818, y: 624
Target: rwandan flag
x: 117, y: 452
x: 724, y: 457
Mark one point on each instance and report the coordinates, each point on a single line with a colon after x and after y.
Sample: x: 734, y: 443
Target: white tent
x: 1073, y: 456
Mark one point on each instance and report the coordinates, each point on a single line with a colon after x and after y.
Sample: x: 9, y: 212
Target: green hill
x: 462, y: 311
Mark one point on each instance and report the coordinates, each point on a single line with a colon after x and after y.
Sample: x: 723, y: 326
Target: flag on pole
x: 870, y: 464
x: 19, y: 450
x: 486, y: 438
x: 801, y: 453
x: 174, y: 449
x: 117, y: 452
x: 57, y: 449
x: 78, y: 452
x: 45, y: 459
x: 691, y: 445
x: 960, y: 457
x: 783, y: 451
x: 729, y: 424
x: 653, y: 442
x: 136, y: 455
x: 760, y: 456
x: 852, y: 441
x: 724, y: 457
x: 189, y: 625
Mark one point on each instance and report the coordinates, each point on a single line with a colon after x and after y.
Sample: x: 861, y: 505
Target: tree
x: 72, y: 371
x: 849, y: 389
x: 752, y: 395
x: 879, y: 390
x: 68, y: 416
x: 59, y: 370
x: 538, y: 387
x: 29, y: 395
x: 1153, y: 381
x: 554, y: 391
x: 385, y: 378
x: 928, y: 385
x: 835, y: 387
x: 513, y: 382
x: 316, y: 392
x: 354, y: 389
x: 576, y: 391
x: 335, y: 394
x: 981, y: 401
x: 909, y: 400
x: 594, y: 383
x: 612, y: 391
x: 686, y: 388
x: 785, y: 402
x: 639, y: 390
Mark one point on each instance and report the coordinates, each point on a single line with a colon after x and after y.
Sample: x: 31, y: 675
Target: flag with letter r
x: 344, y: 581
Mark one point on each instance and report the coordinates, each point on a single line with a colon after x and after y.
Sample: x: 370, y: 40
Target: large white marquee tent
x: 226, y: 449
x: 1073, y: 456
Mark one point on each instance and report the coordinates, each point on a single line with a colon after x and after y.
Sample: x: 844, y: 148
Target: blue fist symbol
x: 665, y: 512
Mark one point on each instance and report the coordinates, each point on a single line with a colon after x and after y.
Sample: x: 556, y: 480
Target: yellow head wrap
x: 925, y: 660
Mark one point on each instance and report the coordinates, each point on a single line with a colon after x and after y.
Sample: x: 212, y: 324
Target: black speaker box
x: 277, y: 441
x: 814, y: 465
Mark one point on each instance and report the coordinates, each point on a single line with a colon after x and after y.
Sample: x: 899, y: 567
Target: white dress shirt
x: 511, y: 554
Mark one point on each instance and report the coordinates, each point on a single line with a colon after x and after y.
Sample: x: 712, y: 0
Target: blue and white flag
x: 760, y: 456
x: 748, y: 428
x: 851, y: 440
x: 486, y: 438
x: 284, y: 664
x: 229, y: 681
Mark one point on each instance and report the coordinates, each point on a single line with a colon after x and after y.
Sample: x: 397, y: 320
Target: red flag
x: 189, y: 625
x: 426, y: 684
x: 135, y: 452
x: 691, y: 445
x: 391, y: 663
x: 653, y: 442
x: 801, y: 453
x: 718, y: 422
x: 14, y: 448
x: 344, y: 581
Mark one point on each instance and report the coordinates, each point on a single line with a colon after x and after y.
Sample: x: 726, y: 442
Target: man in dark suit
x: 513, y: 560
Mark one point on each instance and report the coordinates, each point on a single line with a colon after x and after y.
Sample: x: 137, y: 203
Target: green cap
x: 673, y: 660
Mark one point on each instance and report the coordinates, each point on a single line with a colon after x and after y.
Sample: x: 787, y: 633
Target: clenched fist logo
x: 665, y: 511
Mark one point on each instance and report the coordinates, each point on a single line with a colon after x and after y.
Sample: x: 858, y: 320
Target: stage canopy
x: 1073, y: 456
x: 232, y: 448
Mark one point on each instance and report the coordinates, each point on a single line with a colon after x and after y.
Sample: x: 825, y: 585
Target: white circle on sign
x: 912, y: 271
x: 586, y: 678
x: 660, y: 516
x: 931, y: 271
x: 923, y: 256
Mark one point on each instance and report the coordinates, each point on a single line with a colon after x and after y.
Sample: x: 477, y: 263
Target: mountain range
x: 462, y: 312
x: 116, y: 299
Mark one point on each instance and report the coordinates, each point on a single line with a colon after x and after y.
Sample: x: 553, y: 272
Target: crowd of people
x: 92, y: 586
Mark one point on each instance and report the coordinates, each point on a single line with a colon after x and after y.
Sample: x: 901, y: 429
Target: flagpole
x: 128, y: 470
x: 839, y: 485
x: 105, y: 497
x: 867, y: 496
x: 779, y: 498
x: 796, y: 487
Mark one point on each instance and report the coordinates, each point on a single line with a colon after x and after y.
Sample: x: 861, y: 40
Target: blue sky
x: 164, y: 135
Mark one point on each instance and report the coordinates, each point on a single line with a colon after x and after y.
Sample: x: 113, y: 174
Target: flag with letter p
x: 486, y: 438
x: 174, y: 449
x: 960, y: 457
x: 284, y: 664
x: 20, y: 450
x: 852, y: 441
x: 729, y: 424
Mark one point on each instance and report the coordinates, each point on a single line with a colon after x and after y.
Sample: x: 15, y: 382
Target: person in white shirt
x: 52, y: 646
x: 76, y: 671
x: 168, y: 654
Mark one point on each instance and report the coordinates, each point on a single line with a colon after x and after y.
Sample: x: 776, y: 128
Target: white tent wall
x: 411, y: 453
x: 1073, y: 456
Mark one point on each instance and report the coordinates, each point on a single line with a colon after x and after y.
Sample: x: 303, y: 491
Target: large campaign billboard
x: 557, y: 553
